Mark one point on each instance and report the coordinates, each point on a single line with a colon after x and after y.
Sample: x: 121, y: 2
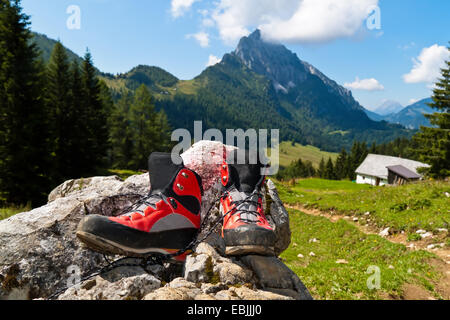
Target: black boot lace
x: 249, y: 200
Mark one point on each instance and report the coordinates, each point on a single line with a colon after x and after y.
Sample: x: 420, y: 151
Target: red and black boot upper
x: 163, y: 222
x: 245, y: 228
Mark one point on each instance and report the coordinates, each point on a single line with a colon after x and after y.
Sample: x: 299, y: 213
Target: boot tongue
x: 162, y: 170
x: 246, y: 176
x: 249, y: 177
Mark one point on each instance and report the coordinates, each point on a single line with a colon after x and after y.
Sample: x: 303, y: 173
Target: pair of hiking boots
x: 168, y: 218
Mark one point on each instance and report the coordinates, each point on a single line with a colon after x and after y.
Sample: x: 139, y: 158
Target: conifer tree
x: 121, y: 136
x: 62, y: 114
x: 95, y: 144
x: 321, y: 171
x: 164, y: 142
x: 309, y: 169
x: 80, y: 121
x: 329, y: 170
x: 144, y: 127
x: 341, y: 170
x: 434, y: 142
x: 24, y: 160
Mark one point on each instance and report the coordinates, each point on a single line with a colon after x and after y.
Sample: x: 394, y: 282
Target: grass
x: 421, y: 205
x: 5, y: 213
x: 326, y: 279
x: 122, y: 174
x: 188, y: 87
x: 342, y: 133
x: 289, y: 153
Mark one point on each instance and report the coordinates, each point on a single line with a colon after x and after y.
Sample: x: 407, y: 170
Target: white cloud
x: 180, y: 7
x: 213, y: 60
x: 201, y: 37
x: 299, y: 21
x: 427, y: 66
x: 365, y: 84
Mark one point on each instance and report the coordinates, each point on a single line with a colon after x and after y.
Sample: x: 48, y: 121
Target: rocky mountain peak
x: 284, y: 68
x: 256, y: 35
x: 273, y: 60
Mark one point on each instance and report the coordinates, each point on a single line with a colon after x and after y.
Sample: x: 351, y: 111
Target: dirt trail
x: 412, y: 292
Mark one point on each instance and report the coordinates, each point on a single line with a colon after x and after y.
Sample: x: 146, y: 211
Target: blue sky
x: 398, y: 61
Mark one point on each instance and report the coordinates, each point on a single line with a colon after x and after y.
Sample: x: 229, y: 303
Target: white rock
x: 384, y: 233
x: 205, y: 158
x: 312, y: 254
x: 426, y: 235
x: 436, y: 246
x: 300, y: 256
x: 342, y: 261
x: 420, y: 231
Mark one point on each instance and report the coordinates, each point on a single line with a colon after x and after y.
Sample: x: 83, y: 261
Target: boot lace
x: 249, y: 200
x: 140, y: 206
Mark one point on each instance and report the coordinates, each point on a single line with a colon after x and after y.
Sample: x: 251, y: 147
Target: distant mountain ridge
x: 45, y: 44
x: 261, y: 85
x: 388, y: 107
x: 411, y: 117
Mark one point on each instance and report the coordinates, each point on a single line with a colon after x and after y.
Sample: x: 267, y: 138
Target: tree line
x: 343, y: 168
x: 58, y: 120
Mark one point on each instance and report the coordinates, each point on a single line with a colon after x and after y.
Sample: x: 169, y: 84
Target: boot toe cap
x: 93, y: 224
x: 249, y: 235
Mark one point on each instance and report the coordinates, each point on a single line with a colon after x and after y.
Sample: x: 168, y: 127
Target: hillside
x: 291, y: 152
x: 262, y: 86
x: 374, y: 116
x: 45, y: 44
x: 302, y: 102
x: 342, y: 228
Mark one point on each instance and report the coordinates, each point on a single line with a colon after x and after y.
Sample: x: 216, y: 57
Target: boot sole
x: 248, y: 250
x: 102, y: 245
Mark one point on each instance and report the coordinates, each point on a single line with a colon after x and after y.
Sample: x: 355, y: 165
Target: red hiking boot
x: 245, y: 227
x: 164, y: 222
